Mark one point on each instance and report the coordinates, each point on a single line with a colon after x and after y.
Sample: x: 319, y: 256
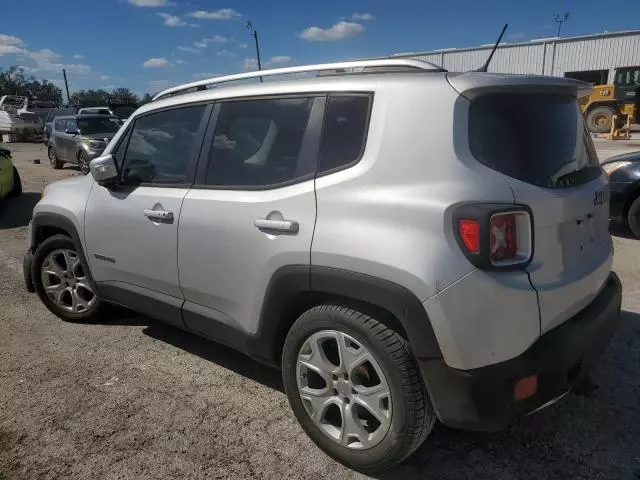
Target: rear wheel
x: 633, y: 217
x: 599, y: 119
x: 53, y: 159
x: 354, y: 387
x: 17, y: 184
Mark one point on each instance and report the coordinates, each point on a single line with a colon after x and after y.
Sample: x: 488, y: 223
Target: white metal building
x: 592, y: 58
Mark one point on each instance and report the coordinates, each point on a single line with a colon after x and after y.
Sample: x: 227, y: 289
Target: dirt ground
x: 133, y: 398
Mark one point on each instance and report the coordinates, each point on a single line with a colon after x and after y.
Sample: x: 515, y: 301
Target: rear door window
x: 537, y: 138
x: 345, y: 130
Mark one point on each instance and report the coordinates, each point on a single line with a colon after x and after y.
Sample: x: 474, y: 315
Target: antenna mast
x: 484, y: 67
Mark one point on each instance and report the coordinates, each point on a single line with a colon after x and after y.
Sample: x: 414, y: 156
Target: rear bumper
x: 483, y: 398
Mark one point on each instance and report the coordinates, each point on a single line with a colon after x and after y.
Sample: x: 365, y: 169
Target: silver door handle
x: 161, y: 215
x: 289, y: 226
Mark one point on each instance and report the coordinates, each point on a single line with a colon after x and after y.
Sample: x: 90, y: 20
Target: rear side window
x: 537, y: 138
x: 344, y: 133
x: 258, y: 143
x: 61, y: 125
x: 161, y: 146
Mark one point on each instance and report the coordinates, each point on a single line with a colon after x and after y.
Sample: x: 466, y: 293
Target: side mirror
x: 103, y: 170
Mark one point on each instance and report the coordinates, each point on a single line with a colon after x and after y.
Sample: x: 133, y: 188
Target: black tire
x: 412, y: 416
x: 633, y: 217
x: 17, y: 184
x: 599, y: 119
x: 83, y: 162
x: 55, y: 242
x: 53, y: 159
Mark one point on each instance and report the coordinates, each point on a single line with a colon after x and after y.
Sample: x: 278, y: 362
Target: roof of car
x: 363, y: 82
x: 89, y: 115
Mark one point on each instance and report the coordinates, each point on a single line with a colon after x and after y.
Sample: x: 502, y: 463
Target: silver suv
x: 406, y: 243
x: 79, y: 139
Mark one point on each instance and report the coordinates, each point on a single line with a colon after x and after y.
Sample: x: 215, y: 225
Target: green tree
x: 13, y: 81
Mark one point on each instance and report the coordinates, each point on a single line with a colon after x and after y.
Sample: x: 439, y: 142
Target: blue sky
x: 147, y: 45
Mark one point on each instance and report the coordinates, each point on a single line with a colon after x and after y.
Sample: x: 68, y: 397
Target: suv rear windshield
x: 539, y: 138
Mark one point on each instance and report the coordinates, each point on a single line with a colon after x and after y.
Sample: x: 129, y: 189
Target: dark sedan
x: 624, y: 181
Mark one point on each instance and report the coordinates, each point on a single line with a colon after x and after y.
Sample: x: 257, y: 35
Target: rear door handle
x: 160, y: 215
x: 288, y: 226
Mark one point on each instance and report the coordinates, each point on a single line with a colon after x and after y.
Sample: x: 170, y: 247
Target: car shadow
x: 589, y: 434
x: 621, y: 230
x: 16, y: 211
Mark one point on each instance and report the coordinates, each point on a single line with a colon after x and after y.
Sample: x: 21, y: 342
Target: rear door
x: 251, y: 211
x: 537, y: 139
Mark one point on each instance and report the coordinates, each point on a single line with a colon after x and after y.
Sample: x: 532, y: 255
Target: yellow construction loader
x: 619, y: 99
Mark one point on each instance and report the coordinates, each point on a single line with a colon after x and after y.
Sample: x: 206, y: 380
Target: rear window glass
x: 537, y: 138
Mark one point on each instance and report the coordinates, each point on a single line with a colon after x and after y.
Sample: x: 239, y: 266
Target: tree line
x: 14, y: 81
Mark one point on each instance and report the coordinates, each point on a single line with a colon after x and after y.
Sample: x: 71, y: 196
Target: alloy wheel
x: 65, y: 282
x: 343, y: 389
x: 84, y: 163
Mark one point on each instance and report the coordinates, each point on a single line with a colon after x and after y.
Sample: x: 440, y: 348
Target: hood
x: 100, y: 136
x: 629, y: 157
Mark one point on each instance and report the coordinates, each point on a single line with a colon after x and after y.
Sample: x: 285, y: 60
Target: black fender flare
x: 41, y: 221
x: 400, y: 302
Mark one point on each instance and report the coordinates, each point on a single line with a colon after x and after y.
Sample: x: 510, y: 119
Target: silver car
x: 407, y: 244
x: 79, y: 139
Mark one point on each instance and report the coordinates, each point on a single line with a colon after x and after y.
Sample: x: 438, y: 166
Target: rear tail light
x: 495, y: 236
x: 470, y: 234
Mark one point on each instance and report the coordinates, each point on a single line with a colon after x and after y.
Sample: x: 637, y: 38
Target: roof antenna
x: 484, y: 67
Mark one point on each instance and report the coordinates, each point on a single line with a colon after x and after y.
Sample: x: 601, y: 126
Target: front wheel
x: 599, y: 119
x: 633, y: 217
x: 63, y: 281
x: 354, y: 387
x: 83, y: 161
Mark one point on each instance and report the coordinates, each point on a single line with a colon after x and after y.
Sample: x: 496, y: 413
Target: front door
x: 59, y: 136
x: 131, y: 230
x: 69, y: 141
x: 251, y: 211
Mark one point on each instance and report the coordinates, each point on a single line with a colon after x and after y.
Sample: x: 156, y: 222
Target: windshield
x: 16, y: 102
x: 537, y: 138
x: 91, y: 126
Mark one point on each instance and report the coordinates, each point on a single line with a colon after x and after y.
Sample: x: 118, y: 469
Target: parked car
x: 95, y: 111
x: 79, y: 139
x: 10, y: 184
x: 403, y: 244
x: 624, y: 184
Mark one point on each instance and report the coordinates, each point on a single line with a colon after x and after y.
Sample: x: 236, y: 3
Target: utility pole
x: 66, y: 86
x: 560, y: 20
x: 254, y: 33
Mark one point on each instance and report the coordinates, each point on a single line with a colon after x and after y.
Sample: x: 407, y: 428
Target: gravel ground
x: 132, y: 398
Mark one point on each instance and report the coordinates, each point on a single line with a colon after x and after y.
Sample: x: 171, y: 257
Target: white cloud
x: 104, y: 77
x: 222, y: 14
x: 280, y: 59
x: 337, y: 32
x: 110, y: 87
x: 71, y: 68
x: 10, y: 40
x: 215, y: 39
x: 43, y: 55
x: 77, y: 56
x: 172, y: 20
x: 11, y: 50
x: 226, y: 53
x: 250, y: 64
x: 363, y: 16
x: 200, y: 44
x: 243, y: 45
x: 156, y: 62
x: 188, y: 49
x: 181, y: 62
x: 151, y: 3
